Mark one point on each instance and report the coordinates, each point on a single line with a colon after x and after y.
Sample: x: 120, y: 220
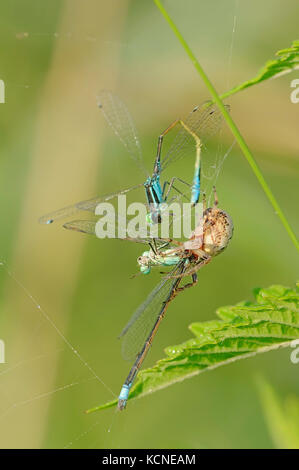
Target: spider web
x: 23, y: 398
x: 17, y: 402
x: 25, y: 364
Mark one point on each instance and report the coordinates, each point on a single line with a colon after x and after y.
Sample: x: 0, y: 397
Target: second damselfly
x: 190, y: 138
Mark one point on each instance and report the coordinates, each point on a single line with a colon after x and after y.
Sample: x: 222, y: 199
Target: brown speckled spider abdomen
x: 217, y: 231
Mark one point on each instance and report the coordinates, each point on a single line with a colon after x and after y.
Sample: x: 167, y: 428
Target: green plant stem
x: 235, y: 131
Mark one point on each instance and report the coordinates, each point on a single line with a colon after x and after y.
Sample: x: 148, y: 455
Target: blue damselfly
x: 210, y: 238
x: 203, y: 122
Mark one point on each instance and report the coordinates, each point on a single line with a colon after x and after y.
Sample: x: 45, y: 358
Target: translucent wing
x: 89, y: 227
x: 204, y: 120
x: 140, y: 325
x: 119, y: 118
x: 84, y: 226
x: 212, y: 166
x: 88, y: 205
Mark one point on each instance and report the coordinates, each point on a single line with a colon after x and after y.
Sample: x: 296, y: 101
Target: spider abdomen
x: 217, y: 231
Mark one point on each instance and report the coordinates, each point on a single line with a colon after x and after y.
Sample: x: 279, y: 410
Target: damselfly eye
x: 145, y: 269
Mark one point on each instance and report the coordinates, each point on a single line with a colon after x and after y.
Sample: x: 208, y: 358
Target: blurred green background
x: 56, y: 149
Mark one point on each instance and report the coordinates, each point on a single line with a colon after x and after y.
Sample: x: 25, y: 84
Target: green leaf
x: 241, y: 331
x: 288, y: 60
x: 282, y: 417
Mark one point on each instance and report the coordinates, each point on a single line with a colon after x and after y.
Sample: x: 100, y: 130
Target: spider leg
x: 204, y: 202
x: 190, y: 284
x: 215, y: 196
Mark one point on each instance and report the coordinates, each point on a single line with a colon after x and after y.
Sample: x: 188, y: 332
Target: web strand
x: 54, y: 326
x: 230, y: 56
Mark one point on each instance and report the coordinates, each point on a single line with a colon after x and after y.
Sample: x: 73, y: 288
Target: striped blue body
x: 123, y: 396
x: 154, y: 195
x: 195, y: 193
